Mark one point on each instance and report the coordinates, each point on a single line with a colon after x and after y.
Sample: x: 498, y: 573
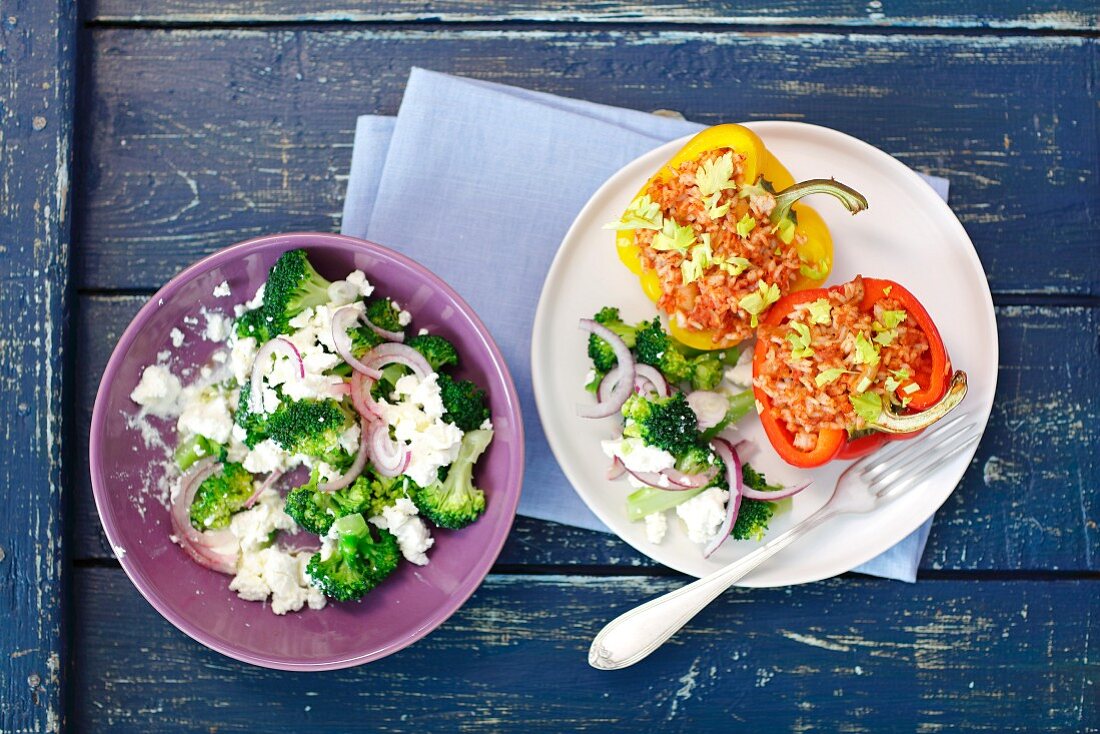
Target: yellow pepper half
x: 815, y: 246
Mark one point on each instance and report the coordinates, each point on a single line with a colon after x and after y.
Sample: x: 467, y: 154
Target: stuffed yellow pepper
x: 718, y: 235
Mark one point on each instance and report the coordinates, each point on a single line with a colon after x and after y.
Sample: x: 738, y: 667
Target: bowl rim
x: 287, y: 241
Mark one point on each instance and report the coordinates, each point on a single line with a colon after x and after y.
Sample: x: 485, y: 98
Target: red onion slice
x: 616, y: 469
x: 607, y: 384
x: 341, y: 322
x: 361, y: 398
x: 733, y: 505
x: 652, y: 376
x: 262, y: 364
x: 672, y: 479
x: 202, y: 547
x: 353, y: 471
x: 625, y: 384
x: 385, y: 354
x: 779, y: 494
x: 264, y: 486
x: 390, y: 457
x: 756, y: 494
x: 393, y: 336
x: 710, y: 408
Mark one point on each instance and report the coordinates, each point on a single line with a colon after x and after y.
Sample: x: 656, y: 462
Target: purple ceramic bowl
x: 411, y: 603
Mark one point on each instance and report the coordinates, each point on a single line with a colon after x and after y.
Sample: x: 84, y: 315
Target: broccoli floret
x: 698, y: 459
x: 463, y: 401
x: 602, y: 355
x: 752, y: 519
x: 313, y: 428
x: 197, y: 447
x: 293, y: 286
x: 315, y: 510
x: 219, y: 496
x: 255, y: 425
x: 384, y: 314
x: 356, y: 562
x: 455, y: 502
x: 653, y: 346
x: 257, y: 324
x: 706, y: 371
x: 438, y: 351
x: 656, y: 348
x: 667, y: 423
x: 754, y: 515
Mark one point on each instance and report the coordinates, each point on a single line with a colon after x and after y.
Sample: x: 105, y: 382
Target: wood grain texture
x: 36, y: 95
x: 839, y: 656
x: 1062, y: 16
x: 1028, y: 502
x: 201, y: 138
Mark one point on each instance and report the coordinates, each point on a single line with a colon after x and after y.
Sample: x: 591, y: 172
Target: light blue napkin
x: 516, y: 167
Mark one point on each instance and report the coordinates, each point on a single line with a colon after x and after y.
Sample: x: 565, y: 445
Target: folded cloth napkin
x: 516, y: 167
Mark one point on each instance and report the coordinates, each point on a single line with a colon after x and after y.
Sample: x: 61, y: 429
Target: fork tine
x: 924, y: 449
x: 880, y: 461
x: 918, y: 474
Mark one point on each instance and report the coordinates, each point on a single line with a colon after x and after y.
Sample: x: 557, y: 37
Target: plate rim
x: 928, y: 198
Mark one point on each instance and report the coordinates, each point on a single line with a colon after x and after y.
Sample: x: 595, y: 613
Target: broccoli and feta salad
x: 321, y: 413
x: 674, y: 447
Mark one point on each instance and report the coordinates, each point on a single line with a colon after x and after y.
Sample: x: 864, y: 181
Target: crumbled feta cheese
x: 265, y: 569
x: 253, y: 527
x: 163, y: 356
x: 636, y: 455
x: 422, y: 332
x: 486, y: 425
x: 588, y: 378
x: 266, y: 456
x: 158, y: 391
x: 221, y: 290
x: 218, y: 326
x: 257, y: 300
x: 349, y: 439
x: 177, y: 338
x: 740, y: 375
x: 411, y: 532
x: 242, y: 353
x: 205, y: 413
x: 704, y: 514
x: 404, y: 317
x: 280, y: 574
x: 190, y: 321
x: 416, y: 416
x: 656, y: 525
x: 350, y: 289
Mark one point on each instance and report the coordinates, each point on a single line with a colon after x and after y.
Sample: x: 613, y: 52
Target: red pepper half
x: 939, y: 390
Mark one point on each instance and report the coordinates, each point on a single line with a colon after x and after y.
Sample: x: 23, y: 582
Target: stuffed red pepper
x: 839, y: 371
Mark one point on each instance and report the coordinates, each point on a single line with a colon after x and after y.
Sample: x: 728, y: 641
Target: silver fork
x: 863, y: 486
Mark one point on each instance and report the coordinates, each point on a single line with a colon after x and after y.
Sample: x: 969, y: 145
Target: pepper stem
x: 890, y: 422
x: 852, y: 200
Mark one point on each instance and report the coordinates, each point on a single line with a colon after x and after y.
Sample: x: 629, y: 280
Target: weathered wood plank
x: 201, y: 138
x: 1030, y: 500
x: 1063, y: 16
x: 853, y: 656
x: 36, y: 101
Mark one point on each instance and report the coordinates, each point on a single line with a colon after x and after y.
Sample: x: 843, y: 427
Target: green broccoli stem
x: 740, y: 405
x: 852, y: 200
x: 647, y: 500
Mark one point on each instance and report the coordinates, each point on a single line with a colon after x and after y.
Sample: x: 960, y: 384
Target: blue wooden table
x: 138, y: 135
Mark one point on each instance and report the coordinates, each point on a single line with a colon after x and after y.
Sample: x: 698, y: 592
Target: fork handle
x: 634, y: 635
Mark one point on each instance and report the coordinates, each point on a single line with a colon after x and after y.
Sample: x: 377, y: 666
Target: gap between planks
x: 747, y: 27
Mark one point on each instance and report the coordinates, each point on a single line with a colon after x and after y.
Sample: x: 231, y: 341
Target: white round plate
x: 908, y: 235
